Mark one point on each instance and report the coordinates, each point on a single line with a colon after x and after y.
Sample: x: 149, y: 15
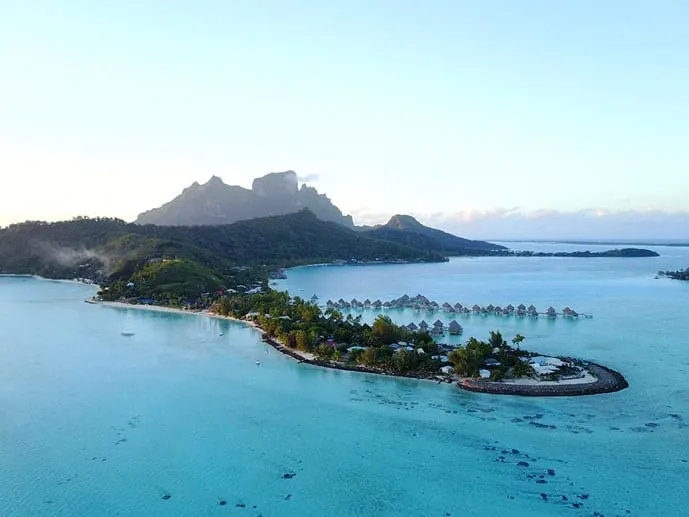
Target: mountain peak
x: 215, y: 180
x: 276, y: 184
x: 404, y: 229
x: 404, y: 222
x: 215, y: 202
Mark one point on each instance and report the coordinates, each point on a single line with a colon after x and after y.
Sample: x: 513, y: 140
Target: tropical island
x: 614, y: 253
x: 676, y: 275
x: 224, y: 269
x: 326, y: 338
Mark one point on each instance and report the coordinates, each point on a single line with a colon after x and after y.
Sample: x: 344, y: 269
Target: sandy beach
x: 306, y: 356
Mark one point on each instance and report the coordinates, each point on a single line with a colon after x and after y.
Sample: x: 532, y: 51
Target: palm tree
x: 516, y: 340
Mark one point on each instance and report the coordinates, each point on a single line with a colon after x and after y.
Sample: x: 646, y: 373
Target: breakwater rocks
x: 607, y: 381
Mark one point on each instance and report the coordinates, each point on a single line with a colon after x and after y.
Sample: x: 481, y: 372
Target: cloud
x: 308, y: 178
x: 589, y: 223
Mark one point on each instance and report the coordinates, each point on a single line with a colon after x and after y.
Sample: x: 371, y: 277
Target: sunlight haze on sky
x: 452, y: 110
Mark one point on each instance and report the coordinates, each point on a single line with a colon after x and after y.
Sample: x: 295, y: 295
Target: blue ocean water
x: 97, y: 423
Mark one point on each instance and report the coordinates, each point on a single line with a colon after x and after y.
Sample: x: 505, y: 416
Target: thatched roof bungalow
x: 455, y: 328
x: 438, y: 323
x: 423, y: 325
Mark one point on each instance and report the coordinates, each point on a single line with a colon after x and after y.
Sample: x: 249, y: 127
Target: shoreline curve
x: 607, y: 381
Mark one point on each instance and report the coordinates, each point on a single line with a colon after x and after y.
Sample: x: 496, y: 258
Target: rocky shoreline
x: 607, y: 381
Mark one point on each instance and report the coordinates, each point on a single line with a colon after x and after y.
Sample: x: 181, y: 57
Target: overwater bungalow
x: 446, y: 306
x: 367, y: 303
x: 314, y: 299
x: 413, y: 326
x: 532, y: 311
x: 490, y: 308
x: 551, y: 312
x: 521, y: 307
x: 509, y: 309
x: 455, y: 328
x: 423, y: 325
x: 438, y: 323
x: 354, y: 302
x: 458, y: 306
x: 476, y: 308
x: 437, y: 331
x: 377, y: 304
x: 497, y: 310
x: 330, y: 304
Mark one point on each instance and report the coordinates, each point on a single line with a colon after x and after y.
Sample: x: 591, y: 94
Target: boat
x: 127, y: 334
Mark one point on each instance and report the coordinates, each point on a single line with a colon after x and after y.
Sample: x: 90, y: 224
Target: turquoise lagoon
x: 97, y: 423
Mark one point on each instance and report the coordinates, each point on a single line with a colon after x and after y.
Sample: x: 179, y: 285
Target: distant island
x: 676, y: 275
x: 616, y: 253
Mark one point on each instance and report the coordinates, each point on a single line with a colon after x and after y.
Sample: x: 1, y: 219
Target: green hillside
x: 167, y: 261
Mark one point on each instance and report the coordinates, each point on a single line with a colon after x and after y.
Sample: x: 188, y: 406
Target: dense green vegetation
x: 166, y: 263
x: 472, y: 357
x: 383, y: 345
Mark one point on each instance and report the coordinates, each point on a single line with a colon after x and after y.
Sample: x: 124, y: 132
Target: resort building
x: 455, y: 328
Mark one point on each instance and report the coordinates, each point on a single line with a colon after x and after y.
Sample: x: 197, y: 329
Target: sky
x: 480, y: 116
